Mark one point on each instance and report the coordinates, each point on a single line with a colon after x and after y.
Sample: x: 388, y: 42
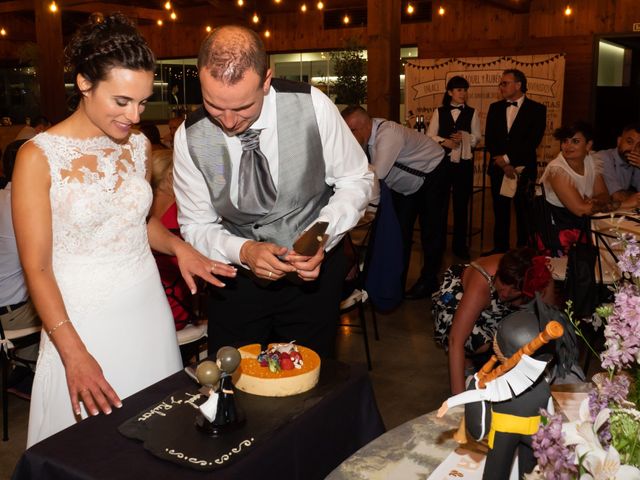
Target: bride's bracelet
x: 58, y: 325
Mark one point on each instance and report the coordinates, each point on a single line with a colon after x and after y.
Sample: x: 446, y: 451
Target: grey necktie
x: 256, y: 191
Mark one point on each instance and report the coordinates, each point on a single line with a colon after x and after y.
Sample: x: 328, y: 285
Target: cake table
x: 331, y: 428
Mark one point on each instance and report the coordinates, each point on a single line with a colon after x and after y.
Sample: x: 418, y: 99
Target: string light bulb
x: 240, y: 3
x: 255, y: 18
x: 160, y: 22
x: 441, y: 11
x: 303, y: 7
x: 173, y: 16
x: 267, y: 33
x: 568, y: 11
x: 3, y: 32
x: 320, y: 5
x: 410, y: 9
x: 167, y: 6
x: 278, y: 2
x: 346, y: 20
x: 53, y: 7
x: 208, y: 28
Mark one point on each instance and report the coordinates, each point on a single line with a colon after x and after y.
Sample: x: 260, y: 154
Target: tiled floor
x: 410, y: 375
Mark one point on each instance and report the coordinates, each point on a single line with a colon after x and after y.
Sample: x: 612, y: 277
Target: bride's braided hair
x: 103, y: 43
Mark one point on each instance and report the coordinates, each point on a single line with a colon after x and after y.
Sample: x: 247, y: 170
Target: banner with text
x: 425, y: 81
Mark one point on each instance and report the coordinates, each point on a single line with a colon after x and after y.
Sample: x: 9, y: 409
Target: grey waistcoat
x: 302, y: 191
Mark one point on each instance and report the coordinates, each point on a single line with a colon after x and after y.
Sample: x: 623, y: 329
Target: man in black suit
x: 515, y: 126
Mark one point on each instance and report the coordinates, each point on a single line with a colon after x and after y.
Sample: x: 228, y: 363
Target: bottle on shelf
x: 418, y: 126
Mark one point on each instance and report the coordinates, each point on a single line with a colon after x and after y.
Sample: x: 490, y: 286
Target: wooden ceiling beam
x: 106, y: 7
x: 515, y: 6
x: 16, y: 6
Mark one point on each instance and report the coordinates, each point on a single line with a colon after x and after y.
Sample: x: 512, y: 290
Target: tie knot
x: 512, y: 104
x: 250, y: 139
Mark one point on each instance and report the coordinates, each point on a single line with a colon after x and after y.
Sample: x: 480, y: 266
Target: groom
x: 260, y: 161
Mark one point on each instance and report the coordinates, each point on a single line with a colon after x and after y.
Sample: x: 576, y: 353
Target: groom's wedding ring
x: 270, y: 273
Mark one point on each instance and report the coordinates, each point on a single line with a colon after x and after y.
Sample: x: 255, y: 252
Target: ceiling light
x: 167, y: 6
x: 208, y: 29
x: 320, y: 5
x: 267, y: 33
x: 173, y: 15
x: 441, y: 11
x: 568, y: 11
x: 303, y: 7
x: 53, y: 7
x: 346, y: 19
x: 410, y: 9
x: 240, y: 3
x: 159, y: 22
x: 3, y: 32
x: 255, y: 18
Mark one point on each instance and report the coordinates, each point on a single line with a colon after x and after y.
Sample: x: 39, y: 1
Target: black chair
x: 10, y: 341
x: 356, y: 297
x: 192, y: 339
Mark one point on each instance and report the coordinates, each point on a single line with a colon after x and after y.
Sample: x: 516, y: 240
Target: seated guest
x: 621, y: 167
x: 474, y: 298
x: 38, y: 125
x: 174, y: 123
x: 153, y: 134
x: 3, y: 178
x: 574, y: 186
x: 16, y: 309
x: 165, y: 209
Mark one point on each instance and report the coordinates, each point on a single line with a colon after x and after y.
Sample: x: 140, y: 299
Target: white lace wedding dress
x: 106, y: 274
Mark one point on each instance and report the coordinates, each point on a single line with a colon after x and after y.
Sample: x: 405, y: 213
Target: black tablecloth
x: 308, y: 447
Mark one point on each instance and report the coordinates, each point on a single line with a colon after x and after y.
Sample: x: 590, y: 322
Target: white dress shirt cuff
x: 506, y: 159
x: 231, y: 246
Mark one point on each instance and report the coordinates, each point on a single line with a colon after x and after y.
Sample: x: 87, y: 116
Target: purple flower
x: 629, y: 261
x: 622, y: 332
x: 555, y: 459
x: 608, y: 393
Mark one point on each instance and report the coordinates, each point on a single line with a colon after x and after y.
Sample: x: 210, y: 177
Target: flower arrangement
x: 604, y: 443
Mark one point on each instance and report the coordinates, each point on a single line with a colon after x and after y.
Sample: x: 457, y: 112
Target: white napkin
x: 510, y: 185
x: 463, y: 150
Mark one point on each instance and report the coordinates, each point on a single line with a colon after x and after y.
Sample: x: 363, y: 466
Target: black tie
x: 512, y: 104
x: 256, y: 190
x: 459, y: 107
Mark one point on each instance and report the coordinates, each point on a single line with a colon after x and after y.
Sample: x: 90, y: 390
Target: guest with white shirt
x: 515, y: 127
x: 456, y: 127
x: 262, y: 160
x: 16, y: 309
x: 411, y: 165
x: 573, y: 187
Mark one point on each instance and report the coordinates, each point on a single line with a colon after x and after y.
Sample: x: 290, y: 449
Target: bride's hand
x: 87, y: 384
x: 193, y: 263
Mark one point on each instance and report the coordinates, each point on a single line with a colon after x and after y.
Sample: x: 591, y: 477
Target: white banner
x: 426, y: 79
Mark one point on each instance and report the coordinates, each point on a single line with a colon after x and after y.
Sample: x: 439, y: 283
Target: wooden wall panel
x: 469, y: 28
x: 308, y: 33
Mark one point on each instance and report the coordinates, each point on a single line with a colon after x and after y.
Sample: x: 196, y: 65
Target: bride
x: 80, y: 203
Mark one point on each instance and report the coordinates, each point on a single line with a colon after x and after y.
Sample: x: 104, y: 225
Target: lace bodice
x: 99, y: 196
